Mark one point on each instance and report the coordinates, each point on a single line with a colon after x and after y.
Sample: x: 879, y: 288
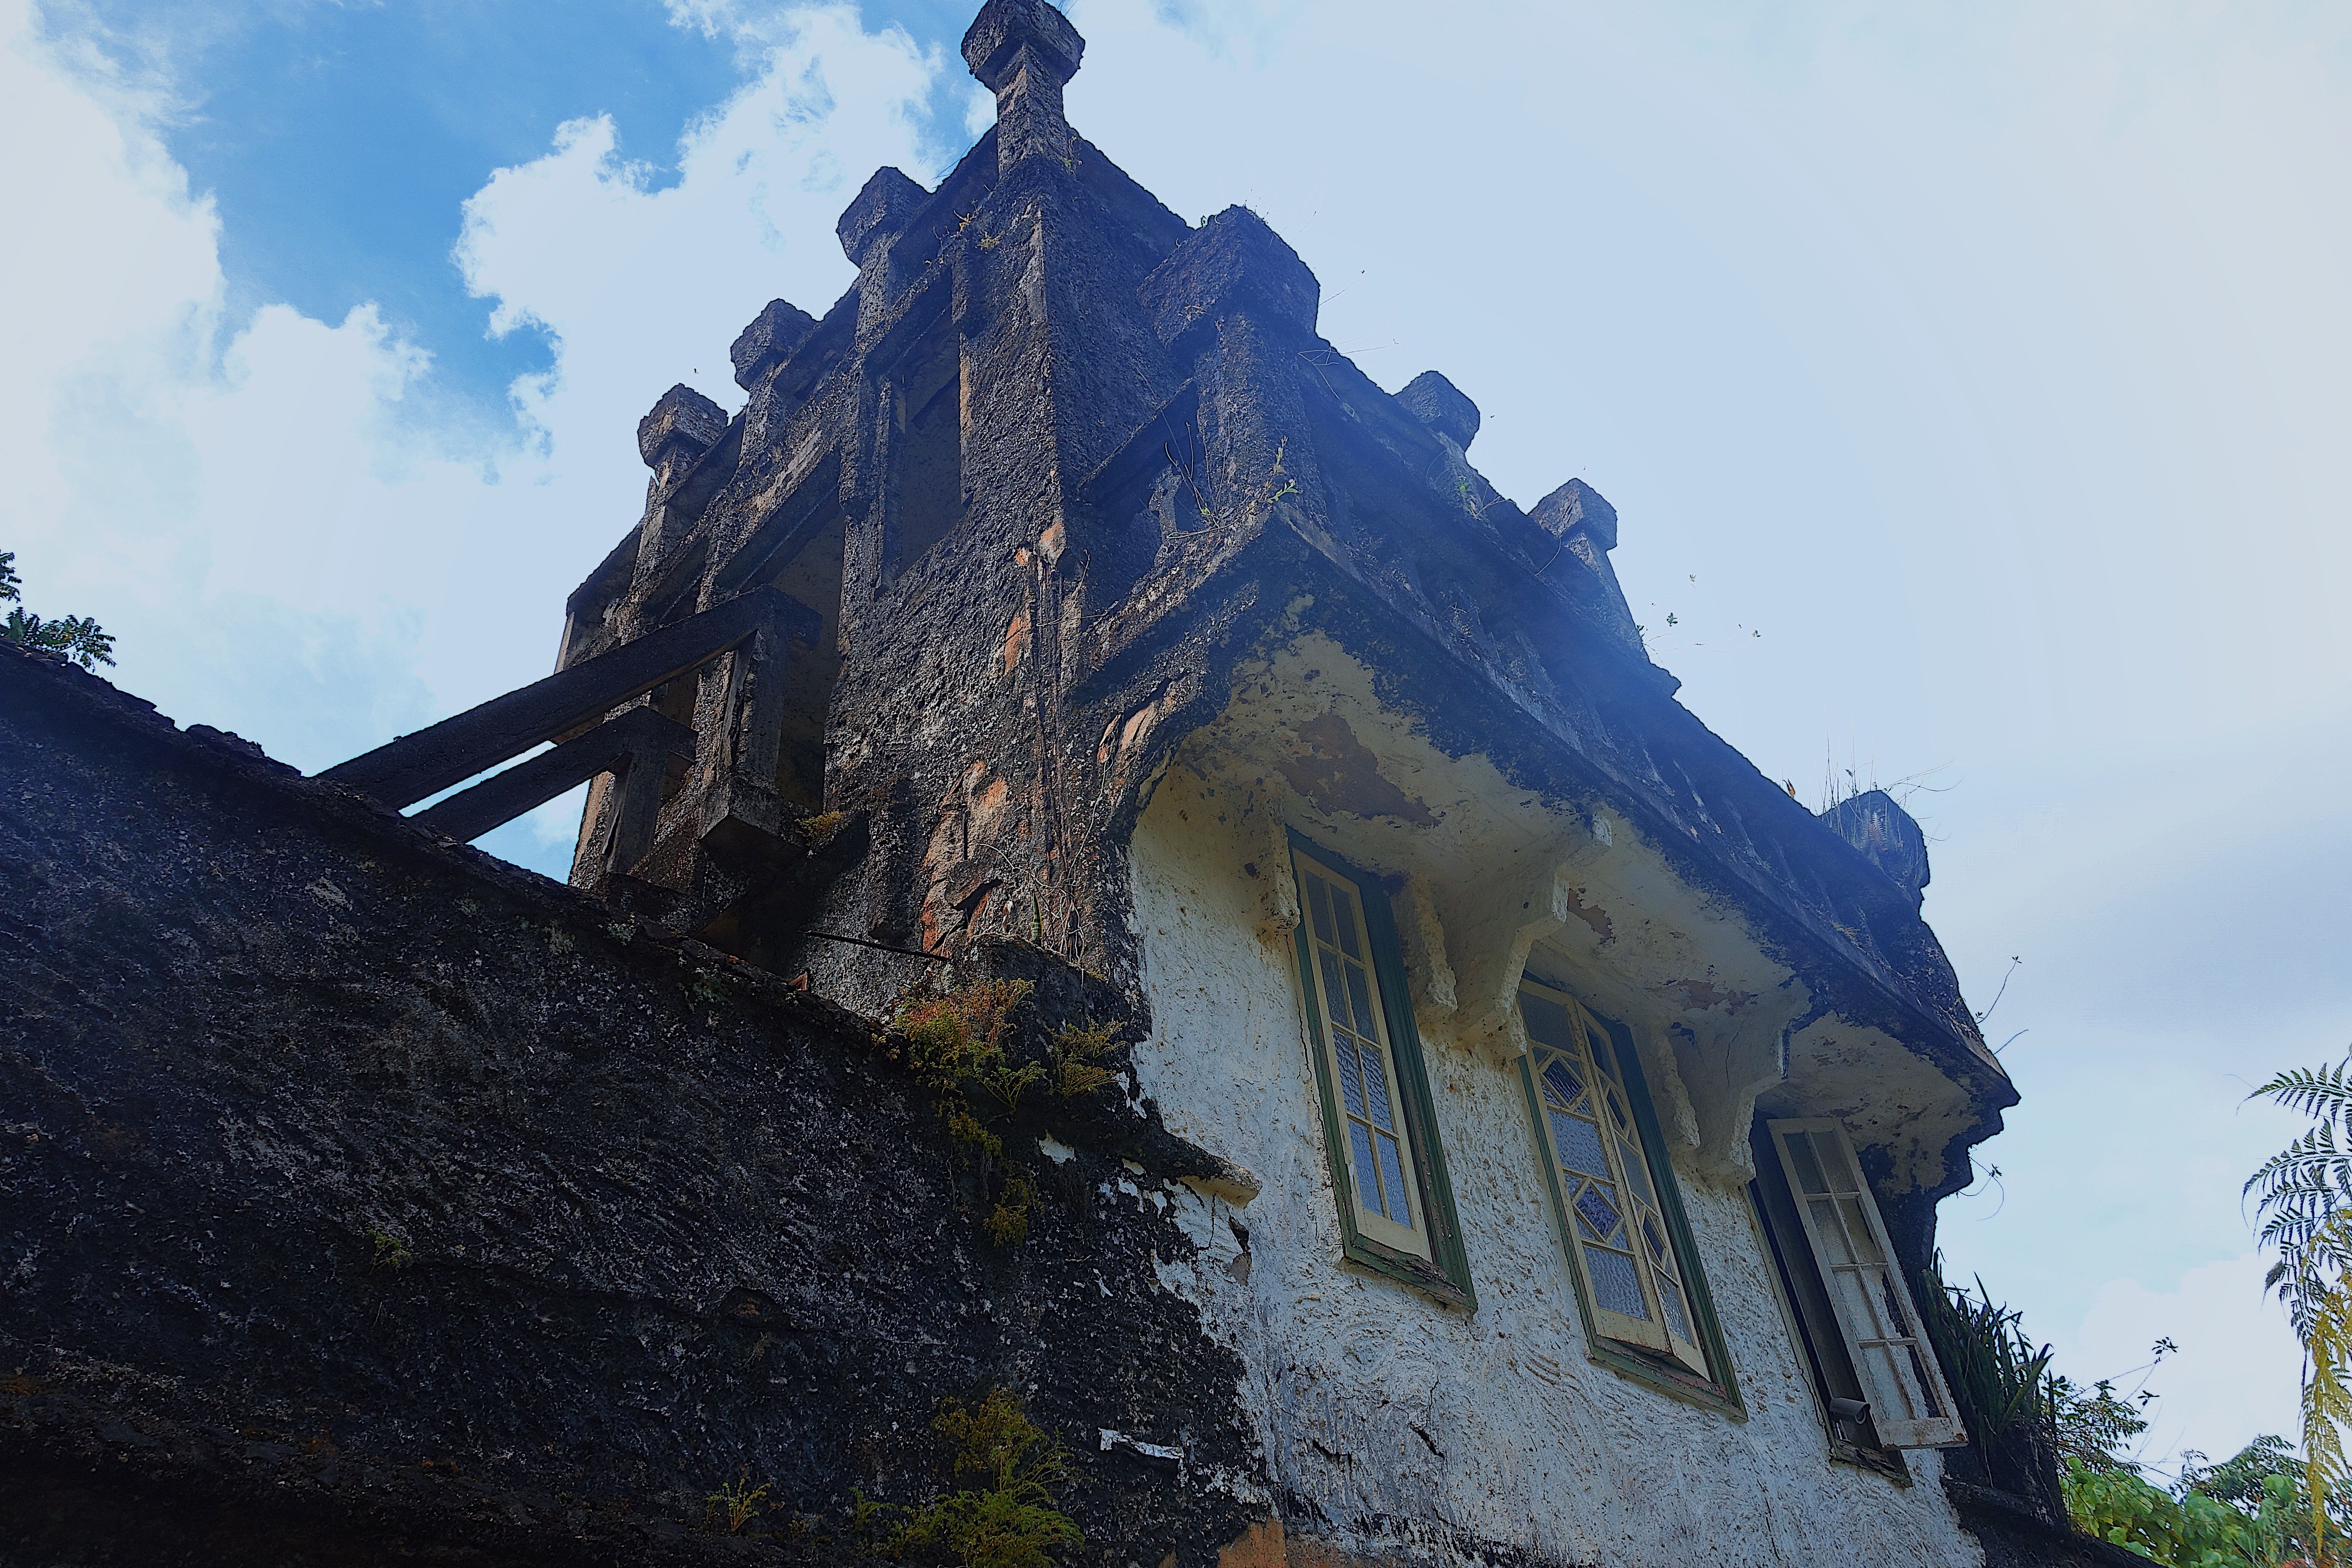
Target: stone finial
x: 773, y: 334
x: 1576, y: 507
x: 1004, y: 28
x: 683, y: 423
x: 1874, y: 823
x: 1232, y: 262
x: 1442, y: 406
x: 877, y: 213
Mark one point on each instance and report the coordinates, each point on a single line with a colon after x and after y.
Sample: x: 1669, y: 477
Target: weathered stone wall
x: 668, y: 1220
x: 1383, y: 1412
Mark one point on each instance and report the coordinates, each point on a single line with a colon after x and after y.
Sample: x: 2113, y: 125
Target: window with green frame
x: 1388, y: 1168
x: 1638, y: 1284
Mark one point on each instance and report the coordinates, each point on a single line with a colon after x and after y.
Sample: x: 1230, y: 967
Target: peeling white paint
x: 1375, y: 1402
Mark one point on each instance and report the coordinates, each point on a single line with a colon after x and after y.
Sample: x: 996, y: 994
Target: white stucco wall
x: 1403, y: 1420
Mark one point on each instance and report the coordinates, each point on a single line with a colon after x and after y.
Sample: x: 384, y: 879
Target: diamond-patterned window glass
x: 1356, y: 1042
x: 1909, y: 1405
x: 1657, y: 1251
x: 1617, y: 1234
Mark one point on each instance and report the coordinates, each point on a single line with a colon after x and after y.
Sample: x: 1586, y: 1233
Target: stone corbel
x: 1498, y: 922
x: 1422, y: 938
x: 1722, y: 1087
x: 1277, y: 890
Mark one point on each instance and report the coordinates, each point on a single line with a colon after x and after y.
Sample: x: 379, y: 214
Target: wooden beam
x: 638, y: 739
x: 431, y: 760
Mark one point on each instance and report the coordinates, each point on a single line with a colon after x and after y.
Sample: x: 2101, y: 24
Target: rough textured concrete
x: 1381, y: 1411
x: 667, y: 1216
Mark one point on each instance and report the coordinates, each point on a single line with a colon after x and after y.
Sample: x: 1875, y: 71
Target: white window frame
x: 1910, y: 1404
x: 1646, y: 1247
x: 1327, y: 939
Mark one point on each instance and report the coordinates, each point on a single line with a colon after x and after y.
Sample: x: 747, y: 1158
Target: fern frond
x: 2323, y: 1094
x: 2326, y: 1403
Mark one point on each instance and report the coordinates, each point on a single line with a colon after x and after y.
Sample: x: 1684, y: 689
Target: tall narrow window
x: 1620, y: 1216
x: 1395, y: 1213
x: 1844, y: 1404
x: 928, y: 389
x: 1908, y: 1405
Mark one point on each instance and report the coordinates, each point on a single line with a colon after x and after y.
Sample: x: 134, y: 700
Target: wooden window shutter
x: 1909, y: 1403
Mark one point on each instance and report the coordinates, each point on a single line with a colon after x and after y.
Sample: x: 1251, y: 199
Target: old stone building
x: 1526, y: 1120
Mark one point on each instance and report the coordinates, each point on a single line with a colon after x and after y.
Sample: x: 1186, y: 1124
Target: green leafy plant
x: 2185, y: 1529
x: 1010, y: 1518
x: 702, y: 984
x: 956, y: 1046
x: 2304, y: 1199
x: 2091, y: 1424
x: 390, y: 1254
x: 79, y: 637
x: 1996, y: 1373
x: 1076, y: 1058
x: 869, y: 1521
x: 1007, y: 1223
x: 733, y: 1504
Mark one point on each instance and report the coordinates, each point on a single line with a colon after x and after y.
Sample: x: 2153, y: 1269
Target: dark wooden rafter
x: 414, y: 766
x: 635, y: 740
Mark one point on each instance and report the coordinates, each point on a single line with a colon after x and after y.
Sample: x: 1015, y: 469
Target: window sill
x: 1629, y: 1362
x: 1407, y: 1269
x: 1887, y: 1462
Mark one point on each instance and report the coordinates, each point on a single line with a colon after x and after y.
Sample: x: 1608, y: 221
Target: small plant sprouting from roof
x: 388, y: 1254
x: 956, y: 1046
x: 1996, y: 1373
x: 1007, y: 1223
x: 1077, y: 1055
x: 731, y: 1507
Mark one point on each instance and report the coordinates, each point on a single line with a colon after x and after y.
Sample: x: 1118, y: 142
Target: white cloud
x: 643, y: 285
x: 289, y: 532
x: 2234, y: 1377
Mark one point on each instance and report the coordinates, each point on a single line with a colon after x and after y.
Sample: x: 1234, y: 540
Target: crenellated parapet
x: 1066, y: 493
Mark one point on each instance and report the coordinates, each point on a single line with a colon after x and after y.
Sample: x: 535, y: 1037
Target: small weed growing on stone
x: 392, y: 1253
x: 822, y: 824
x: 622, y: 932
x: 703, y: 987
x: 1008, y: 1223
x: 733, y: 1505
x: 1009, y: 1520
x: 1076, y: 1054
x: 869, y: 1531
x: 956, y: 1045
x: 558, y: 941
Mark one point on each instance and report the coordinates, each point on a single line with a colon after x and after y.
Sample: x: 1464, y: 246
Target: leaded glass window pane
x: 1612, y: 1222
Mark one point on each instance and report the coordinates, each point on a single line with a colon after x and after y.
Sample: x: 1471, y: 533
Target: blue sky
x: 1969, y: 379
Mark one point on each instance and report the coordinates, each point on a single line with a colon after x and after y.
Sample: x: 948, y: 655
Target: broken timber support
x: 635, y: 747
x: 414, y: 766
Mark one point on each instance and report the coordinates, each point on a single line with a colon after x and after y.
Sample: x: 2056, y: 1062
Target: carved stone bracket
x: 1498, y: 923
